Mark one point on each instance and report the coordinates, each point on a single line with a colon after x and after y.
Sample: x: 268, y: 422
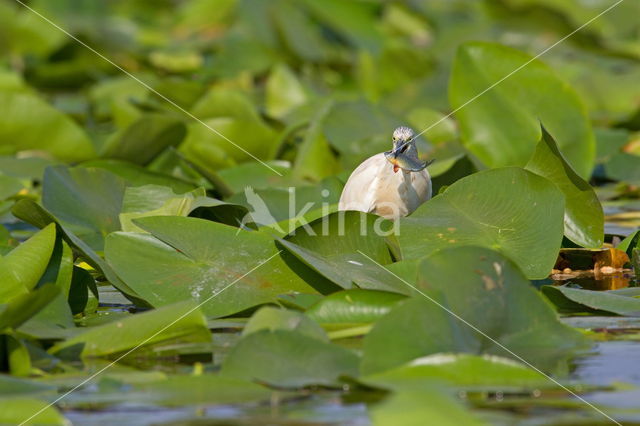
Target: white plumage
x: 374, y: 187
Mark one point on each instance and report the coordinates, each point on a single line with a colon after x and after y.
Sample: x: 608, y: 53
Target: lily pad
x: 181, y: 321
x: 471, y: 372
x: 497, y: 303
x: 143, y: 140
x: 583, y: 217
x: 269, y: 318
x: 413, y: 408
x: 22, y: 268
x: 287, y: 358
x: 189, y: 258
x: 523, y: 220
x: 86, y: 201
x: 501, y: 126
x: 354, y: 306
x: 569, y: 299
x: 28, y: 123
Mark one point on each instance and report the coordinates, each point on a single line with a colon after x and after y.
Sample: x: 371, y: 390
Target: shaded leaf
x: 523, y: 220
x: 309, y: 361
x: 583, y: 217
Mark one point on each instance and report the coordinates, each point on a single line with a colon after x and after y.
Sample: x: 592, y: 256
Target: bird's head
x: 404, y: 154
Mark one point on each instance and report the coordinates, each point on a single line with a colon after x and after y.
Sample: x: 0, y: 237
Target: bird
x: 391, y: 184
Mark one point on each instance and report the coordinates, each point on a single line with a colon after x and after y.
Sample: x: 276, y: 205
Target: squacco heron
x: 390, y: 184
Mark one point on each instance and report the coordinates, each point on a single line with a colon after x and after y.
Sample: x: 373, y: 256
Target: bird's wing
x: 357, y: 193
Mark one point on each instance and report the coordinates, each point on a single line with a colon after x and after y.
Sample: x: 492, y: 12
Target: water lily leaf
x: 28, y: 123
x: 269, y: 318
x: 14, y: 355
x: 353, y: 306
x: 9, y: 186
x: 630, y: 243
x: 136, y: 175
x: 256, y: 175
x: 412, y: 408
x: 33, y: 213
x: 490, y: 293
x: 286, y: 208
x: 283, y: 92
x: 336, y: 246
x: 524, y: 220
x: 569, y: 299
x: 86, y: 201
x: 19, y: 410
x: 143, y: 140
x: 501, y: 127
x: 315, y: 159
x: 23, y: 307
x: 474, y: 372
x: 21, y: 268
x: 204, y: 389
x: 287, y: 358
x: 189, y: 258
x: 583, y: 216
x: 181, y: 321
x: 153, y: 200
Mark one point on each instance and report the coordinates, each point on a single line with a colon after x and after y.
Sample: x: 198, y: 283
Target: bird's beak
x: 401, y: 159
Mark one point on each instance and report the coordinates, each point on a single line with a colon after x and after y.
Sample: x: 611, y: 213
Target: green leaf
x: 288, y: 359
x: 583, y: 216
x: 269, y: 318
x: 25, y: 306
x: 21, y: 269
x: 143, y: 140
x: 86, y: 201
x: 491, y: 294
x: 19, y: 410
x: 413, y: 408
x: 188, y: 258
x: 9, y: 186
x: 523, y: 220
x: 569, y: 299
x: 353, y: 306
x: 178, y: 322
x: 152, y: 200
x: 28, y: 123
x: 630, y: 243
x: 135, y: 175
x: 36, y: 215
x: 474, y: 372
x: 337, y: 246
x: 283, y: 92
x: 205, y: 389
x: 501, y: 126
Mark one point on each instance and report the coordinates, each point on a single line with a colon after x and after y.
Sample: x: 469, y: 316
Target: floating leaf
x: 21, y: 410
x: 502, y: 125
x: 21, y: 269
x: 143, y: 140
x: 569, y: 299
x: 180, y: 321
x: 523, y: 220
x: 491, y: 294
x: 269, y: 318
x: 353, y: 306
x: 28, y: 123
x: 188, y: 258
x: 413, y: 408
x: 583, y: 216
x: 461, y: 370
x: 283, y: 92
x: 288, y: 359
x: 86, y: 201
